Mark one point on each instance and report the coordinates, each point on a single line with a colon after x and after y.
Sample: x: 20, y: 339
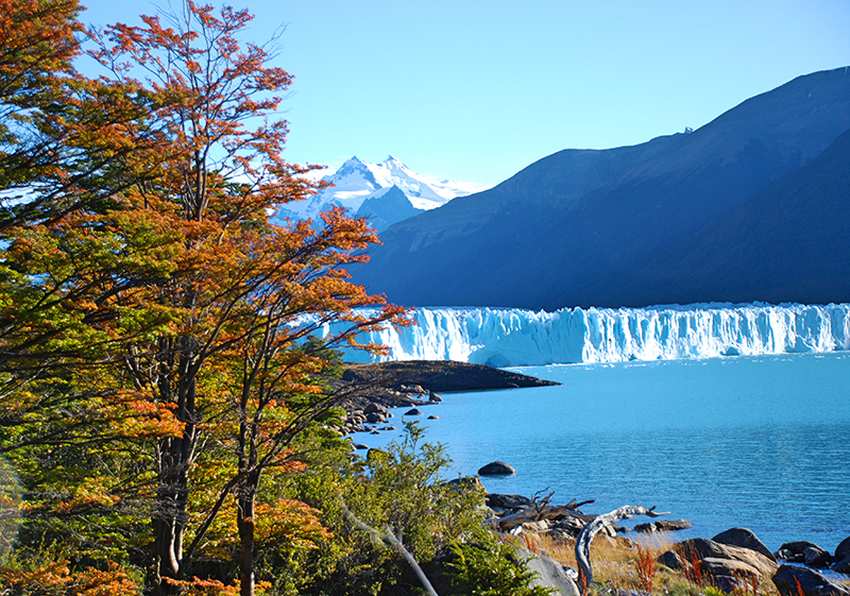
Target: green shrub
x: 491, y: 568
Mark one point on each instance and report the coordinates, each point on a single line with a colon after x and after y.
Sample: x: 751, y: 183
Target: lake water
x: 760, y: 442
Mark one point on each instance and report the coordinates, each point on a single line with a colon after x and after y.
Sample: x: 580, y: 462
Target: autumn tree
x: 239, y: 281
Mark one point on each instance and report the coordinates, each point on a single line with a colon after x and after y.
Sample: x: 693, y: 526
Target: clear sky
x: 478, y: 89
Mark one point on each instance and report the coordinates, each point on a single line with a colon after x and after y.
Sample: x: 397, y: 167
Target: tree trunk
x: 175, y: 458
x: 245, y: 523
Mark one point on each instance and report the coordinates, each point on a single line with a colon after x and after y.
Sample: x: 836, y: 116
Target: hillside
x: 664, y: 221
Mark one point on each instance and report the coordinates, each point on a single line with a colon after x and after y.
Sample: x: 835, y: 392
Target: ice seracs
x: 512, y: 337
x: 355, y: 181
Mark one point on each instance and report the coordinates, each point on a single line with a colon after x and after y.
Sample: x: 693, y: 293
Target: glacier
x: 515, y: 337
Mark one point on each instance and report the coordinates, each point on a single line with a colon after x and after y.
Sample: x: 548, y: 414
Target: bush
x: 490, y: 569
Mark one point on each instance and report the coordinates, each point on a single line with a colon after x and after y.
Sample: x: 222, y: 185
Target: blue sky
x: 478, y: 89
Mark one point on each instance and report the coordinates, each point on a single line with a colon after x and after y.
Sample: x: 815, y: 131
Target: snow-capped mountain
x: 355, y: 181
x: 387, y: 206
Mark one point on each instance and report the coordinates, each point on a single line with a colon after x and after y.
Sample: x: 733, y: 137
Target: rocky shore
x: 733, y: 561
x: 415, y: 384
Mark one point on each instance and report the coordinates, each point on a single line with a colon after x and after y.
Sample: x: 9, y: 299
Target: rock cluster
x: 737, y: 558
x: 812, y: 555
x: 729, y: 567
x: 373, y: 408
x: 733, y: 561
x: 663, y: 525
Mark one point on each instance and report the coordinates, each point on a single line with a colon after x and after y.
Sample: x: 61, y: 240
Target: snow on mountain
x: 355, y: 181
x: 387, y: 206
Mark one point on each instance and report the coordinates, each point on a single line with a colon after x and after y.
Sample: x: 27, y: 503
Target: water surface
x: 760, y: 442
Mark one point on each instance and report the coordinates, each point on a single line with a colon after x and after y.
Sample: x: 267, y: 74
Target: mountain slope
x: 387, y: 206
x: 616, y: 227
x: 355, y: 181
x: 797, y: 230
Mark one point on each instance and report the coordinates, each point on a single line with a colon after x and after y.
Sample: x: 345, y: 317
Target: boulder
x: 507, y: 501
x: 745, y: 538
x: 671, y: 560
x: 729, y: 574
x: 412, y: 412
x: 664, y: 525
x: 548, y: 573
x: 705, y: 549
x: 434, y: 397
x: 374, y: 418
x: 465, y: 483
x: 373, y: 407
x: 842, y: 566
x: 842, y: 551
x: 496, y: 468
x: 536, y: 526
x: 815, y: 556
x: 795, y: 552
x: 791, y: 578
x: 360, y: 446
x: 433, y: 417
x: 731, y: 567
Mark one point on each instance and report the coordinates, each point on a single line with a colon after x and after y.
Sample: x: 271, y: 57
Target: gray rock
x: 434, y: 397
x: 549, y: 574
x: 795, y: 552
x: 412, y: 412
x: 731, y: 568
x: 433, y: 417
x: 704, y: 549
x: 671, y: 559
x: 374, y: 407
x: 507, y: 501
x: 812, y: 583
x: 842, y: 566
x: 536, y: 526
x: 815, y: 556
x: 465, y: 482
x: 745, y: 538
x: 496, y: 468
x: 361, y: 446
x: 374, y: 417
x: 842, y: 551
x: 663, y: 525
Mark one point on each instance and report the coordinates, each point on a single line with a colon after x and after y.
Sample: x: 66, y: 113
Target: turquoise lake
x: 760, y: 442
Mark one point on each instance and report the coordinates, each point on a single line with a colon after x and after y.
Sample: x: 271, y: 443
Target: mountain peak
x: 357, y: 180
x: 352, y: 161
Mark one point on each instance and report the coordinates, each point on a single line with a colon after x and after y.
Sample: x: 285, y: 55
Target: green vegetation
x: 169, y: 402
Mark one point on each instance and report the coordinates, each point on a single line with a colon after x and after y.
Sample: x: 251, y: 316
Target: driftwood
x: 388, y: 538
x: 539, y: 509
x: 512, y: 520
x: 585, y: 571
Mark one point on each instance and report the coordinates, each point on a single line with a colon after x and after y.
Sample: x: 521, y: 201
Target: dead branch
x: 388, y: 538
x: 585, y: 537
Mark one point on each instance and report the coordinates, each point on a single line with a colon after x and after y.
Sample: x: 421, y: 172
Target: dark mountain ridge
x: 658, y: 222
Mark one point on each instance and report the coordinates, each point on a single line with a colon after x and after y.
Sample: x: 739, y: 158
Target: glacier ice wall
x: 512, y: 337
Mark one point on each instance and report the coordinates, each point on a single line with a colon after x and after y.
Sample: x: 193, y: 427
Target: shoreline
x: 417, y: 383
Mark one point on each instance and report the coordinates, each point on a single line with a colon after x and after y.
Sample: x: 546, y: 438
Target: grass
x: 645, y: 568
x: 619, y: 563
